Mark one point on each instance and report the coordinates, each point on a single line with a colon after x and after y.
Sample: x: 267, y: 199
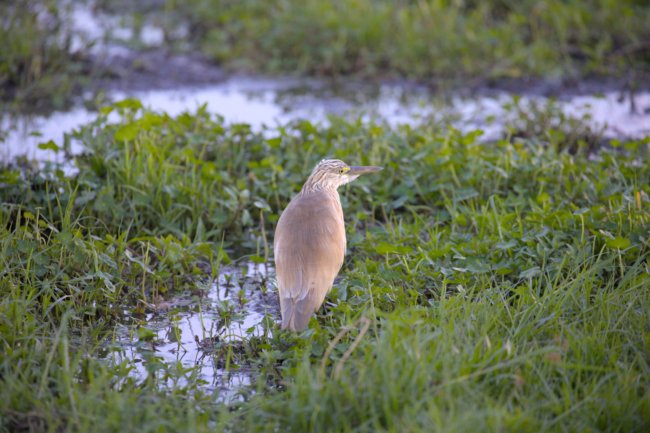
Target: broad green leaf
x: 386, y: 248
x: 618, y: 242
x: 127, y: 132
x: 50, y: 145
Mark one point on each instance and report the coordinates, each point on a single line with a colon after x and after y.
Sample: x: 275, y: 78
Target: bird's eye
x: 341, y: 171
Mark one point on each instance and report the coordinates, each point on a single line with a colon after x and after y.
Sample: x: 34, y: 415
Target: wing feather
x: 309, y: 248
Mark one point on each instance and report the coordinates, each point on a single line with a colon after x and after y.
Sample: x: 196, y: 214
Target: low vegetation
x: 490, y: 286
x: 436, y: 41
x: 43, y: 63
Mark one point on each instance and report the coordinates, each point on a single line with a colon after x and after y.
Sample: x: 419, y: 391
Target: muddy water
x: 195, y: 339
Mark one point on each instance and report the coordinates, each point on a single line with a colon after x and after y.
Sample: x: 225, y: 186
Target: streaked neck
x: 318, y: 182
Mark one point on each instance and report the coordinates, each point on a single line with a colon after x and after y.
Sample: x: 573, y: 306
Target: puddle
x: 198, y: 339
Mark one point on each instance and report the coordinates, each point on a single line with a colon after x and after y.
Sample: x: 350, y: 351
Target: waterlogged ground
x: 489, y: 285
x: 496, y: 280
x: 260, y: 101
x: 198, y: 338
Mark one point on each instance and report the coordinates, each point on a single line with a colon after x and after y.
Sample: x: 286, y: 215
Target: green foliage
x: 448, y: 40
x: 489, y: 285
x: 38, y: 68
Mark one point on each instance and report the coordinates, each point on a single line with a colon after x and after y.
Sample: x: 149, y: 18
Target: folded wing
x: 309, y: 247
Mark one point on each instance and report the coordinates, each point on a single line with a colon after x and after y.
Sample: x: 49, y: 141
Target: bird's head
x: 332, y: 173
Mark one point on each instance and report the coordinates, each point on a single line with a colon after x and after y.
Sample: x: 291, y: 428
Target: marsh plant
x: 43, y: 61
x: 499, y: 285
x: 439, y: 41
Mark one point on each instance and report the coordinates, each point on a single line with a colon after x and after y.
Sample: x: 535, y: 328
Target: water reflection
x: 262, y: 102
x: 194, y: 339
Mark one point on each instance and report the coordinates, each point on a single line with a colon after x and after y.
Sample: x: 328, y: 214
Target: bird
x: 309, y: 242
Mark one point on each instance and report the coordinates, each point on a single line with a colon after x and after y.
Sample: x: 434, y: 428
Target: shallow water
x: 261, y: 101
x: 184, y: 340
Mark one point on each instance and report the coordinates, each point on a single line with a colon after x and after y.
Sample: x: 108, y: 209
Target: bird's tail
x: 293, y: 318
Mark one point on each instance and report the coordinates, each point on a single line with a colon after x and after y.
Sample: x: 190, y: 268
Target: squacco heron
x: 309, y: 243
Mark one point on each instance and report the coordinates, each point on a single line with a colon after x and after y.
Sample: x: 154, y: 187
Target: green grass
x: 501, y: 286
x: 438, y: 41
x: 38, y: 68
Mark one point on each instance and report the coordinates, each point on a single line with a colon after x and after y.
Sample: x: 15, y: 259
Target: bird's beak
x: 357, y: 170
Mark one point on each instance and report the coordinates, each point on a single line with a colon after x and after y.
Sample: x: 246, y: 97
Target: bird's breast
x: 311, y: 226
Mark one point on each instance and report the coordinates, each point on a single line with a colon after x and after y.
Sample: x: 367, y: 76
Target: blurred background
x: 263, y: 62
